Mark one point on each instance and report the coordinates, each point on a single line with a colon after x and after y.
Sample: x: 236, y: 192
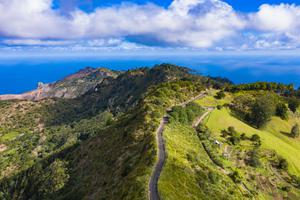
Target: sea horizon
x: 22, y: 74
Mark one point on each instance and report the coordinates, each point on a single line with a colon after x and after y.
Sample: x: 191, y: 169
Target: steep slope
x: 256, y: 164
x: 70, y: 87
x: 109, y: 161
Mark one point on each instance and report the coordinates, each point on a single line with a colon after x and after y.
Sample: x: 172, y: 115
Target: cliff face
x: 70, y: 87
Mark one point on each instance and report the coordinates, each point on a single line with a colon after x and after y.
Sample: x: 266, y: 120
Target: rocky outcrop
x: 70, y: 87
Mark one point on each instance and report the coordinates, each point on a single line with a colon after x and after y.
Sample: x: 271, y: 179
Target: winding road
x: 153, y: 189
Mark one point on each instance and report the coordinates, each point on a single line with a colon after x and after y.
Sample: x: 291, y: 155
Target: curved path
x: 153, y: 189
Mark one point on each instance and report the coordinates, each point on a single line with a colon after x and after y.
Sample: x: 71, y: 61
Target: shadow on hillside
x: 286, y: 134
x: 98, y: 166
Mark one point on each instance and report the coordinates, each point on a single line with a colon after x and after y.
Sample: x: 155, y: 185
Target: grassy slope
x: 284, y: 146
x: 209, y: 100
x: 186, y: 178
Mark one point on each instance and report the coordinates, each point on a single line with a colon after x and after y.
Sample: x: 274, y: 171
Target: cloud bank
x: 200, y: 24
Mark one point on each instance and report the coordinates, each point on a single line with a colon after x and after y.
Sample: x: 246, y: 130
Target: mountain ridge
x: 70, y: 87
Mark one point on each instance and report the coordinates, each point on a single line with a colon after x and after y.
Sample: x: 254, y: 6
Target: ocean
x: 20, y: 74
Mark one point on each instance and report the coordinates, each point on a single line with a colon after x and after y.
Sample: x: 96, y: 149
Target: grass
x: 271, y: 137
x: 211, y: 101
x: 9, y: 136
x: 186, y: 172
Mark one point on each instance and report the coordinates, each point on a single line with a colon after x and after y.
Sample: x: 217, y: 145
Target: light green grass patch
x: 9, y: 136
x: 222, y: 119
x: 211, y: 101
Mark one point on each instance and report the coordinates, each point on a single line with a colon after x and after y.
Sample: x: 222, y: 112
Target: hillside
x: 101, y: 143
x: 70, y: 87
x: 104, y: 139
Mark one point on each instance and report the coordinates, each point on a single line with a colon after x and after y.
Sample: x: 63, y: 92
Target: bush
x: 282, y: 164
x: 256, y: 140
x: 293, y: 104
x: 220, y: 95
x: 235, y: 177
x: 295, y: 131
x: 219, y: 107
x: 253, y: 158
x: 243, y: 136
x: 213, y: 177
x: 282, y: 111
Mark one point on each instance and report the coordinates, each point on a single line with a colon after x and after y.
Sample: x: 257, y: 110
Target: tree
x: 262, y: 110
x: 293, y: 104
x: 282, y: 111
x: 220, y: 95
x: 295, y: 131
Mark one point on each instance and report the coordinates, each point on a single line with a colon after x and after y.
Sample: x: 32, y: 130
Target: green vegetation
x: 189, y: 169
x: 211, y: 101
x: 269, y: 86
x: 104, y: 138
x: 102, y: 145
x: 185, y: 115
x: 295, y: 131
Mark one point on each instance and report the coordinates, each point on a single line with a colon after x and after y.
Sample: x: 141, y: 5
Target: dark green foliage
x: 219, y: 107
x: 269, y: 86
x: 243, y: 136
x: 282, y: 111
x: 282, y: 164
x: 261, y: 111
x: 203, y: 132
x: 255, y: 138
x: 234, y: 139
x: 255, y: 108
x: 286, y: 188
x: 220, y: 95
x: 213, y: 177
x: 235, y: 176
x: 293, y: 104
x: 295, y: 131
x: 253, y: 158
x: 187, y: 114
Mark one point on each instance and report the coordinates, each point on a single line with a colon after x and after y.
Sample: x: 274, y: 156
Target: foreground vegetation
x: 102, y: 145
x: 105, y: 145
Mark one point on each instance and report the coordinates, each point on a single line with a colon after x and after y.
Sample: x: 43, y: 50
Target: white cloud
x: 184, y: 23
x: 281, y: 22
x: 276, y: 18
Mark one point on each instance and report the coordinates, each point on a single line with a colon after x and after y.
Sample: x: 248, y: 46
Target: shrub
x: 255, y: 138
x: 243, y: 136
x: 234, y: 139
x: 293, y: 104
x: 282, y: 111
x: 220, y: 95
x: 219, y: 107
x: 253, y: 158
x: 213, y: 177
x: 235, y: 176
x: 282, y: 164
x: 295, y: 131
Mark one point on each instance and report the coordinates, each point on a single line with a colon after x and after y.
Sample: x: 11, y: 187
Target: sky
x: 88, y: 26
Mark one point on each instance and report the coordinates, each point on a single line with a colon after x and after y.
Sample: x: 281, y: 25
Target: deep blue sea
x: 20, y: 74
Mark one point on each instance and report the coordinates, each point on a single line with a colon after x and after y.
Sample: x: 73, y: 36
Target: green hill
x: 101, y: 143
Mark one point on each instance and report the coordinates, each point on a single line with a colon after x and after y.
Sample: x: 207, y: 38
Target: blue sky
x: 142, y: 25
